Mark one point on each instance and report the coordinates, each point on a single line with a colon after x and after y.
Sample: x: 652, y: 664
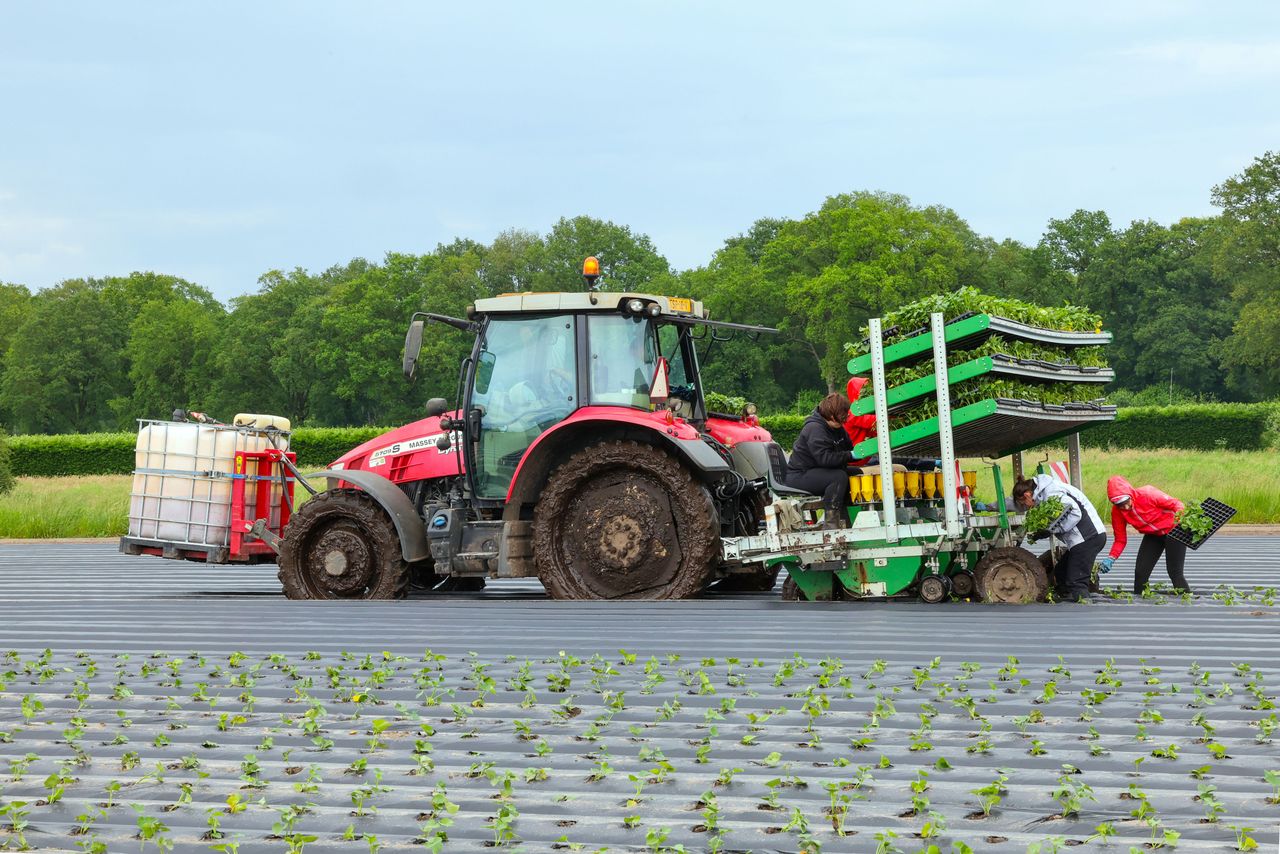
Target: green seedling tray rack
x: 967, y: 333
x: 995, y: 428
x: 1027, y: 370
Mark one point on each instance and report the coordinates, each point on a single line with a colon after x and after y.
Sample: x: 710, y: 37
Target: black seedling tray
x: 1215, y: 510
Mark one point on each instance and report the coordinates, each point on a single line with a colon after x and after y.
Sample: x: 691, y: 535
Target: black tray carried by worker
x: 1215, y: 510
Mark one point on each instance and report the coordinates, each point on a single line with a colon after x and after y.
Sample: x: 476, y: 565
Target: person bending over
x: 1079, y: 528
x: 820, y: 460
x: 1151, y: 513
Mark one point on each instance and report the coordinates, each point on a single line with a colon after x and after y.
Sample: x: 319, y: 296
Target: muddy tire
x: 342, y: 545
x: 622, y: 520
x: 1010, y: 576
x: 962, y: 584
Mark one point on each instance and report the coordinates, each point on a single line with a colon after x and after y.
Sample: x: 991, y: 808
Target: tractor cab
x: 541, y: 358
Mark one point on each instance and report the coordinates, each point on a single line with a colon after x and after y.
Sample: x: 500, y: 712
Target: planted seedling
x: 1071, y: 794
x: 990, y: 795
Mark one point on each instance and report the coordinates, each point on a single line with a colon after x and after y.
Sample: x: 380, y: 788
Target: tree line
x: 1194, y: 307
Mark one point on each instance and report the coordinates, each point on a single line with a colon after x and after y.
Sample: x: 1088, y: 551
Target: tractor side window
x: 524, y: 384
x: 623, y: 358
x: 681, y: 386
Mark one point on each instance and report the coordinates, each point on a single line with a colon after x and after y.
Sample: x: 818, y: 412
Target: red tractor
x: 582, y: 454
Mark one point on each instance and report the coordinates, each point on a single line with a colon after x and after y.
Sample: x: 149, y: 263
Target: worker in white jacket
x: 1079, y: 528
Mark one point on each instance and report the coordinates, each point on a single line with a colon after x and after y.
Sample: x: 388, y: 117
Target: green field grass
x: 46, y: 507
x: 1247, y: 480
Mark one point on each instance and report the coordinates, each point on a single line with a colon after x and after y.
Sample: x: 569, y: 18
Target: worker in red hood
x: 858, y: 427
x: 861, y: 427
x: 1151, y: 513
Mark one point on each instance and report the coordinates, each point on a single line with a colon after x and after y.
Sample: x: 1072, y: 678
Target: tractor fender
x: 409, y: 526
x: 681, y: 439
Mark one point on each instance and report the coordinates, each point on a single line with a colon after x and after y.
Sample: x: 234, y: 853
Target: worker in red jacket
x: 859, y: 427
x: 1151, y: 513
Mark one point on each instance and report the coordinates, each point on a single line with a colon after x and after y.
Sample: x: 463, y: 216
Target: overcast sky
x: 219, y: 142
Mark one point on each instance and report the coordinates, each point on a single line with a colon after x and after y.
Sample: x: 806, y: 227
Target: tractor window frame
x: 626, y: 393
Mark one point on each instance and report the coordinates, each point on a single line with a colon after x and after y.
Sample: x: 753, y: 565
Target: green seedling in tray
x: 1194, y: 519
x: 1040, y: 517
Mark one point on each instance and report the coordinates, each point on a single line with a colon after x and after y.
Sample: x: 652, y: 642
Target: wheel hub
x: 621, y: 543
x: 342, y: 562
x: 1010, y: 583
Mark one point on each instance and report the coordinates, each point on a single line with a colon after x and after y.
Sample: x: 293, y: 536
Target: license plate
x: 680, y: 304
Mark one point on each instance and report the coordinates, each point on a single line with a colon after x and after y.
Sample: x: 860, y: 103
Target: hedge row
x: 1237, y: 427
x: 6, y: 469
x: 1197, y: 426
x: 112, y: 453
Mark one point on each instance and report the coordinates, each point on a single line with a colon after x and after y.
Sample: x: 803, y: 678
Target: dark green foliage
x: 72, y: 454
x: 112, y: 453
x: 784, y: 428
x: 316, y: 447
x: 6, y: 468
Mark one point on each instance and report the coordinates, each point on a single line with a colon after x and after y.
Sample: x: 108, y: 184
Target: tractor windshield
x: 624, y: 357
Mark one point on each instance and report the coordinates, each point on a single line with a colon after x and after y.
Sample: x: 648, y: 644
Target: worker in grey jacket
x: 1079, y: 528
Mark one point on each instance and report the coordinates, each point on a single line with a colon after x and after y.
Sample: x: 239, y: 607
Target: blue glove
x: 1104, y: 565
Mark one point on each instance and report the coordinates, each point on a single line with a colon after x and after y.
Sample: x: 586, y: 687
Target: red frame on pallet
x: 261, y: 504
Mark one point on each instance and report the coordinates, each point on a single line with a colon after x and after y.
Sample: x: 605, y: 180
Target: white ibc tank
x: 182, y: 479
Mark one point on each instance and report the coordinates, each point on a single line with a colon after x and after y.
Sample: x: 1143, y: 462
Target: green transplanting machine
x: 917, y: 534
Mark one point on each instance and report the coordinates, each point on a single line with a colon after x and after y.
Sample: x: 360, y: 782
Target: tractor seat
x: 777, y: 472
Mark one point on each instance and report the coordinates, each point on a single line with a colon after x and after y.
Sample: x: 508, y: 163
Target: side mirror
x: 436, y: 407
x: 412, y: 347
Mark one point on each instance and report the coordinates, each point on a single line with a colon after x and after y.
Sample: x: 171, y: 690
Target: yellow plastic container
x: 879, y: 487
x: 913, y: 484
x: 899, y: 484
x: 868, y: 487
x: 970, y: 477
x: 855, y: 493
x: 929, y: 484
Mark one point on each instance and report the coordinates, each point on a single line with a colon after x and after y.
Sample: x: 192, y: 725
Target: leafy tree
x: 858, y: 256
x: 270, y: 355
x: 628, y: 261
x: 1249, y: 258
x: 172, y: 350
x: 66, y: 361
x: 1072, y: 243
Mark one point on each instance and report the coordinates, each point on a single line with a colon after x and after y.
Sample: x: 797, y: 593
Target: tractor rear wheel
x: 342, y: 545
x: 623, y: 520
x: 1010, y: 576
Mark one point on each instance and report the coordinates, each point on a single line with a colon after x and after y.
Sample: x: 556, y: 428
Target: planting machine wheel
x: 342, y: 545
x: 1010, y: 576
x: 623, y: 520
x: 934, y: 588
x: 962, y: 584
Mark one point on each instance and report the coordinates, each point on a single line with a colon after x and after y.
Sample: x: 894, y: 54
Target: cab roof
x: 610, y: 301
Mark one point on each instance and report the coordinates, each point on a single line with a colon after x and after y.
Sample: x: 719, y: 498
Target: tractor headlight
x: 635, y: 306
x: 749, y: 409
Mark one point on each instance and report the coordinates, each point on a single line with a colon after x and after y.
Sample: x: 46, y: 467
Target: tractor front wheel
x: 342, y: 545
x: 623, y: 520
x: 1010, y: 576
